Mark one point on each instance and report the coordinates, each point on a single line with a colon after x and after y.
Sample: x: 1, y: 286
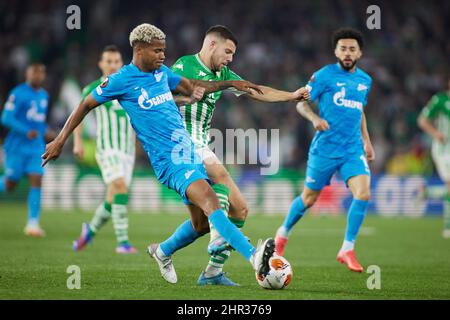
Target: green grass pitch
x: 413, y: 257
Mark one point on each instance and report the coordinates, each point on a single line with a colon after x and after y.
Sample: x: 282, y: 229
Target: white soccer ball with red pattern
x: 279, y: 276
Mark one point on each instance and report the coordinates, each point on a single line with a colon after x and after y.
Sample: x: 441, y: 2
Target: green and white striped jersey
x: 114, y: 131
x: 438, y: 110
x: 197, y: 117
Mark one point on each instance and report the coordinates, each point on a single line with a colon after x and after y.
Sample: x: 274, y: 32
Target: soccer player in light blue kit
x: 341, y: 142
x: 143, y: 88
x: 25, y: 116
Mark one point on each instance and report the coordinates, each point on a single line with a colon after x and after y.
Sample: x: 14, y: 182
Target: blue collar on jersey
x: 34, y: 90
x: 135, y: 67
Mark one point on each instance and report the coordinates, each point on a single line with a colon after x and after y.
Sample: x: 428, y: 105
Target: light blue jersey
x: 341, y: 96
x: 147, y: 99
x: 25, y: 110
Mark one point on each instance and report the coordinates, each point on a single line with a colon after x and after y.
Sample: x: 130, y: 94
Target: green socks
x: 101, y: 216
x: 118, y: 211
x: 120, y: 217
x: 216, y: 262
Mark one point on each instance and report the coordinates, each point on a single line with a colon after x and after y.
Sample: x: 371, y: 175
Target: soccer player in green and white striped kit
x: 210, y: 64
x: 115, y: 154
x: 435, y: 120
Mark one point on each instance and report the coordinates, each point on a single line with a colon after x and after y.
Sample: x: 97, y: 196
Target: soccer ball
x: 279, y: 276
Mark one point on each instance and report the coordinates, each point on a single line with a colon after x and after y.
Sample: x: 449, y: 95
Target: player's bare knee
x: 118, y: 187
x: 362, y: 195
x: 210, y: 202
x: 309, y: 198
x: 221, y: 176
x: 36, y: 185
x: 210, y: 205
x: 309, y: 201
x: 35, y: 180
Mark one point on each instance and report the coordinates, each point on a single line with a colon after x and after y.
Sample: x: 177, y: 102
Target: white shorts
x: 443, y: 166
x: 207, y: 155
x: 115, y: 165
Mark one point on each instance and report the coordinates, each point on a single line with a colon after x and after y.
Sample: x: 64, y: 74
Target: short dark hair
x: 223, y: 32
x: 347, y: 33
x: 36, y: 64
x: 111, y: 48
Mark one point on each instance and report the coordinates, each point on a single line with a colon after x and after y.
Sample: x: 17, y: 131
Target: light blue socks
x: 184, y: 235
x: 355, y: 218
x: 231, y: 233
x: 295, y: 213
x: 34, y: 205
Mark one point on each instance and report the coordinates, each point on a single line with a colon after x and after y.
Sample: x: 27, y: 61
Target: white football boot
x: 165, y: 264
x: 260, y: 259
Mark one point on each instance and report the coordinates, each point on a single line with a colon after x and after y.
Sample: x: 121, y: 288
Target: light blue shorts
x: 320, y: 169
x: 180, y: 176
x: 22, y: 162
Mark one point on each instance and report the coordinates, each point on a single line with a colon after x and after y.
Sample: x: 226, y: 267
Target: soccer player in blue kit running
x: 25, y: 115
x: 144, y: 90
x: 341, y: 142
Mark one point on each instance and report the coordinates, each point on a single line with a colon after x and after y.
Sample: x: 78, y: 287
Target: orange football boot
x: 349, y: 258
x: 280, y: 244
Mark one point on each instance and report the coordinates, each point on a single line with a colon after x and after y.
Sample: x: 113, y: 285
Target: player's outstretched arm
x: 274, y: 95
x: 54, y: 148
x: 240, y: 85
x: 186, y: 86
x: 306, y: 112
x: 78, y: 149
x: 368, y: 148
x: 49, y: 135
x: 196, y: 96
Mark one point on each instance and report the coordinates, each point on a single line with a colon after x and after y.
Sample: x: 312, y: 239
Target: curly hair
x: 347, y: 33
x: 146, y: 33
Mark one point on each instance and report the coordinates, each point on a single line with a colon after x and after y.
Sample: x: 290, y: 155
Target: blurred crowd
x: 281, y: 43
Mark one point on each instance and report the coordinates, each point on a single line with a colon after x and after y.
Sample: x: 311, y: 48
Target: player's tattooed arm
x: 274, y: 95
x: 240, y: 85
x: 54, y: 148
x: 368, y: 148
x: 196, y: 96
x: 306, y: 112
x: 186, y: 86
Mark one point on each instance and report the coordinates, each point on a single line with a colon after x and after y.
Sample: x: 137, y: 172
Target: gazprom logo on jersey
x: 145, y: 102
x: 339, y: 100
x: 34, y: 115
